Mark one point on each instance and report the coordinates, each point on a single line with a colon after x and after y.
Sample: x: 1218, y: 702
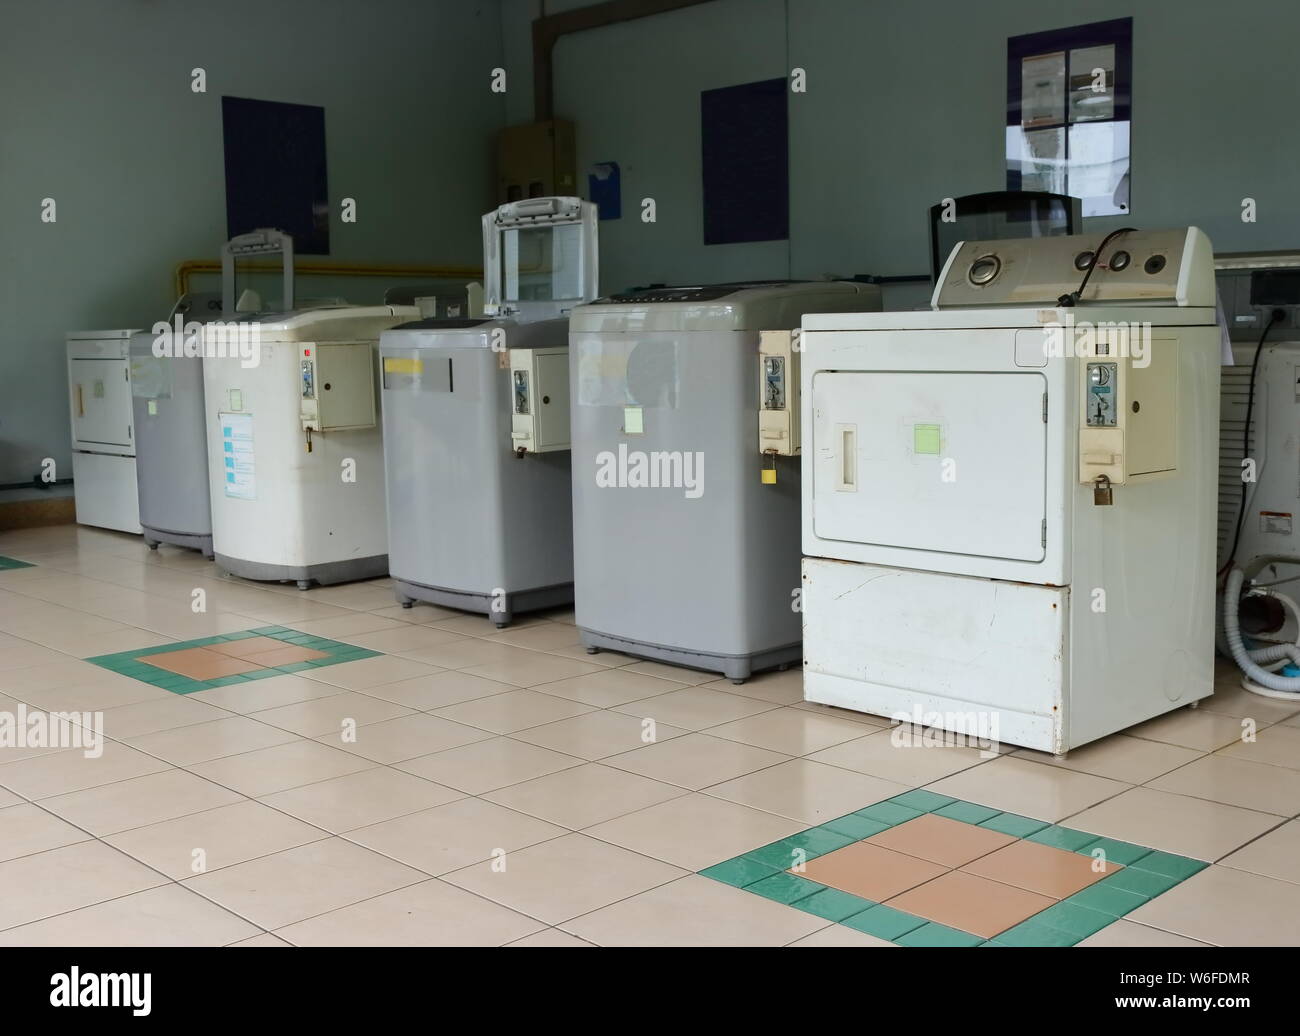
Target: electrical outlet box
x: 539, y: 399
x: 778, y: 412
x: 337, y: 385
x: 1128, y: 422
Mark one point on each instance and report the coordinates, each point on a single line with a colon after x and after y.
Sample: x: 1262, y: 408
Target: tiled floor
x: 345, y: 771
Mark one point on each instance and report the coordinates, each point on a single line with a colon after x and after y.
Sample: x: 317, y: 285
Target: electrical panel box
x: 778, y: 412
x: 539, y: 400
x: 337, y: 385
x: 536, y: 160
x: 1128, y: 422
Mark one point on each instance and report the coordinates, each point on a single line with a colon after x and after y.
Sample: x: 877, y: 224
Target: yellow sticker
x: 403, y: 365
x: 153, y: 407
x: 769, y: 476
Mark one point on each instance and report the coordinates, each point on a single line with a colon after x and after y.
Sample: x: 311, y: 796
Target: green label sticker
x: 925, y: 439
x: 633, y: 420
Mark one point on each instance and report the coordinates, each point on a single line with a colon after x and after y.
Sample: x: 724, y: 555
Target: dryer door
x: 952, y: 462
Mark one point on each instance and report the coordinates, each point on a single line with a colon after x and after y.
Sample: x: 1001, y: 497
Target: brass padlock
x: 1103, y: 494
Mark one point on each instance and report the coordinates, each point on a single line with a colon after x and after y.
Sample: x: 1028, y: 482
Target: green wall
x: 96, y: 111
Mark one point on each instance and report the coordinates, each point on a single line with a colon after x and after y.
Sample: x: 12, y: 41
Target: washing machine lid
x: 752, y: 306
x: 323, y: 324
x: 475, y: 333
x: 101, y: 336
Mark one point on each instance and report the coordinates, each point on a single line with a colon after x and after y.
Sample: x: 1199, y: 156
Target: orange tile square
x: 940, y: 840
x: 973, y: 904
x: 285, y: 654
x: 247, y: 647
x: 1040, y: 868
x: 869, y: 871
x: 199, y: 663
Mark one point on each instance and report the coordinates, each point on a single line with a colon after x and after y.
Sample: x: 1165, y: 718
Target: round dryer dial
x: 984, y: 269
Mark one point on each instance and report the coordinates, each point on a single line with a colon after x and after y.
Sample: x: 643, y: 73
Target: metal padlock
x: 1103, y: 494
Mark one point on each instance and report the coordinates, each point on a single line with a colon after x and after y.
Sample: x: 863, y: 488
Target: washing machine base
x: 501, y: 612
x: 736, y: 668
x: 325, y: 574
x: 202, y: 542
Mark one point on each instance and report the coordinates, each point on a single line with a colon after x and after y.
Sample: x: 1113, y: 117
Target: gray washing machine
x: 476, y: 424
x: 684, y: 550
x: 171, y: 440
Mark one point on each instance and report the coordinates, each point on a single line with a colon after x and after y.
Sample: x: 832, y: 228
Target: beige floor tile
x: 431, y: 913
x: 584, y: 795
x: 695, y: 761
x: 139, y: 801
x: 610, y: 687
x: 299, y: 883
x: 487, y: 765
x: 358, y: 799
x: 65, y: 672
x: 323, y: 716
x: 1227, y: 907
x: 1132, y: 760
x: 790, y: 731
x: 513, y: 710
x: 8, y: 798
x: 98, y: 696
x: 215, y: 739
x: 265, y: 939
x: 880, y: 754
x: 695, y: 708
x: 1236, y: 781
x: 866, y: 719
x: 694, y: 911
x: 393, y: 740
x: 780, y: 687
x: 470, y: 651
x: 343, y: 625
x: 1200, y: 729
x: 68, y: 771
x: 556, y: 880
x: 438, y: 690
x: 1276, y: 746
x: 474, y: 624
x: 273, y: 692
x: 216, y: 838
x: 69, y: 878
x: 1028, y: 788
x: 596, y: 735
x: 540, y: 636
x: 370, y: 672
x: 150, y: 717
x: 275, y: 769
x: 1232, y: 699
x: 841, y: 935
x: 678, y: 674
x: 529, y: 672
x: 695, y: 831
x: 454, y: 835
x: 166, y: 916
x: 1274, y: 855
x: 1126, y: 933
x: 27, y: 828
x: 403, y: 639
x: 551, y: 938
x: 808, y: 791
x: 1176, y: 823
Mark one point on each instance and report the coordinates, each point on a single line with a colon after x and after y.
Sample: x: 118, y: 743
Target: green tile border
x: 1144, y: 874
x: 7, y: 564
x: 126, y: 663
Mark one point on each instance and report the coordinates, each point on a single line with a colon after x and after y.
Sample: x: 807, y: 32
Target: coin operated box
x: 1128, y: 430
x: 337, y: 386
x: 539, y: 400
x: 778, y: 412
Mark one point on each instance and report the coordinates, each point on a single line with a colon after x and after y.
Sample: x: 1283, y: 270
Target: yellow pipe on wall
x: 185, y: 269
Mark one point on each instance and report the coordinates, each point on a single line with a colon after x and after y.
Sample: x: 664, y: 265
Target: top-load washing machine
x: 685, y: 516
x: 1009, y: 502
x: 476, y: 424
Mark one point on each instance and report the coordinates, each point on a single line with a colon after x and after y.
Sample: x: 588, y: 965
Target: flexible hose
x: 1248, y: 661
